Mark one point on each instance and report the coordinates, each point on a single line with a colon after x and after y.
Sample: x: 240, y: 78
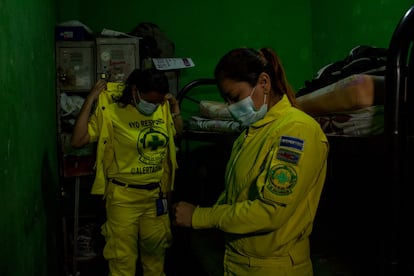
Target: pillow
x: 215, y: 110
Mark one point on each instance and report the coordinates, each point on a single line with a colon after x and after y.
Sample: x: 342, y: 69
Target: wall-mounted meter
x: 117, y: 57
x: 75, y: 65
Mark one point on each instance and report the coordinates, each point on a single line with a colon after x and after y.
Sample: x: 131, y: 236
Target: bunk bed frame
x: 399, y: 135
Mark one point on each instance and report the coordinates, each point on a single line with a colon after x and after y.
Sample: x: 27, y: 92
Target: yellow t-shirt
x: 131, y: 147
x: 140, y: 145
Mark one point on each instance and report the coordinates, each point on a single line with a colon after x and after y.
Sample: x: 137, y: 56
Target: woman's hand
x: 176, y: 114
x: 183, y: 212
x: 99, y: 86
x: 174, y: 106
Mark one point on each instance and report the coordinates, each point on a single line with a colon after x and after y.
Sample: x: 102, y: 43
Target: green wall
x: 206, y: 30
x: 28, y: 188
x: 338, y: 27
x: 307, y: 34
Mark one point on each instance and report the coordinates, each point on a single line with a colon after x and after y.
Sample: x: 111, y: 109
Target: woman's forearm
x: 80, y: 135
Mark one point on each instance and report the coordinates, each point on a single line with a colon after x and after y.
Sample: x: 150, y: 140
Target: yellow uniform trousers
x: 131, y: 222
x: 296, y: 263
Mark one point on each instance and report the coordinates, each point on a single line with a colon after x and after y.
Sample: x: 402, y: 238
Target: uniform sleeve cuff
x: 202, y: 218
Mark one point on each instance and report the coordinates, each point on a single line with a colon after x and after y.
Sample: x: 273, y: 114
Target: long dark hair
x: 246, y: 64
x: 145, y: 81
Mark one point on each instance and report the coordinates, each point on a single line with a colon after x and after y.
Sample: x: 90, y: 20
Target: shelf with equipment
x: 78, y: 65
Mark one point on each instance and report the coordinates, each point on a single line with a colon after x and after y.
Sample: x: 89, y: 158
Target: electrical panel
x: 76, y: 69
x: 117, y: 57
x: 78, y: 65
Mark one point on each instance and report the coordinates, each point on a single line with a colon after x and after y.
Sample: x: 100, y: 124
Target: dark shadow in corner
x: 51, y: 205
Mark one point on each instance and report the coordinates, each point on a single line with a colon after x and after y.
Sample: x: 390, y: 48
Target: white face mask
x: 145, y: 107
x: 245, y: 113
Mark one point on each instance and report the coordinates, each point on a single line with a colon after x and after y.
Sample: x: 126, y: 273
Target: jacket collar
x: 275, y: 112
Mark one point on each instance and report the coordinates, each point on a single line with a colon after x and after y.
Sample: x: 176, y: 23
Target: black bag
x: 361, y: 60
x: 154, y: 42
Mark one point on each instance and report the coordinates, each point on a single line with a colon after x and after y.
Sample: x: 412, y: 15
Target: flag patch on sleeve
x: 288, y: 156
x: 291, y: 142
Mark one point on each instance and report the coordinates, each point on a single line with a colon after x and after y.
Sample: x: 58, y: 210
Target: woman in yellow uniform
x: 275, y: 174
x: 134, y: 125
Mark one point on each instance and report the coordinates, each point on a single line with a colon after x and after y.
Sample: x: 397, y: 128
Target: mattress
x: 353, y: 106
x: 349, y: 94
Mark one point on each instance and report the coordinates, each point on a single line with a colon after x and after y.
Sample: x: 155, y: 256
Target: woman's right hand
x: 99, y: 86
x: 183, y: 213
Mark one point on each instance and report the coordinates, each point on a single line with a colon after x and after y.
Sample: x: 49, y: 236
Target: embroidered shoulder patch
x: 288, y: 156
x: 291, y: 142
x: 282, y: 180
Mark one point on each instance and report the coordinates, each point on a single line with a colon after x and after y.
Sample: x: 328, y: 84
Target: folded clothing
x: 213, y: 125
x: 366, y: 121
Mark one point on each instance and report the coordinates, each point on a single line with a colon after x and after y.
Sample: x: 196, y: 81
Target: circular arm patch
x: 282, y: 180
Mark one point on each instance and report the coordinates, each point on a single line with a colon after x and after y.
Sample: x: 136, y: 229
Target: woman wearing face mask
x: 134, y: 125
x: 275, y: 174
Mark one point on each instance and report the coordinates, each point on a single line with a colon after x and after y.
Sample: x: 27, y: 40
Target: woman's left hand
x: 171, y: 99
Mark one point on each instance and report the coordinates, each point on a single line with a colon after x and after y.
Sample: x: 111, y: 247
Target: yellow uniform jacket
x: 274, y: 179
x: 100, y: 127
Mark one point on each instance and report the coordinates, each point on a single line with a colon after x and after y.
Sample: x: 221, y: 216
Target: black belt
x: 149, y: 187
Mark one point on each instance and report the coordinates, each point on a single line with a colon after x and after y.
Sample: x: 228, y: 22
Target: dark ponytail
x: 278, y: 75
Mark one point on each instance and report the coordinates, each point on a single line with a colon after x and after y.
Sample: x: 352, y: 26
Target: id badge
x: 162, y: 207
